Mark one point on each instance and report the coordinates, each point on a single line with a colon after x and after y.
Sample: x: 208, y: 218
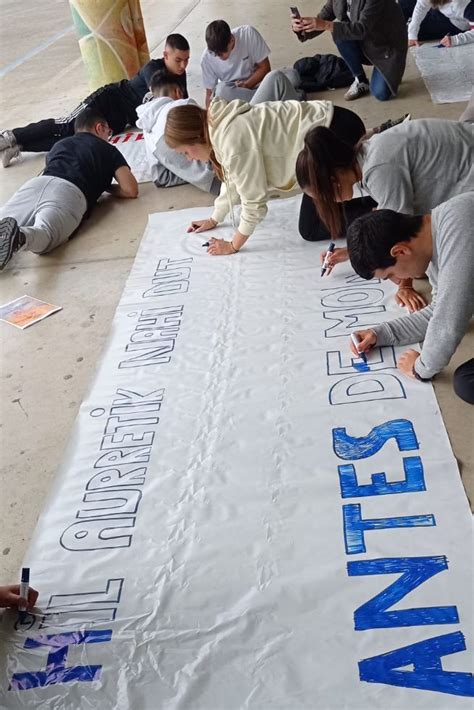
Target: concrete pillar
x: 111, y: 38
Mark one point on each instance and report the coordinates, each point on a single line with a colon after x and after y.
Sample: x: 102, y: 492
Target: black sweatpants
x: 111, y: 101
x: 349, y: 127
x: 463, y: 381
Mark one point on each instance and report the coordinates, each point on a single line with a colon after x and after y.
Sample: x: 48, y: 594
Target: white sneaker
x: 356, y: 90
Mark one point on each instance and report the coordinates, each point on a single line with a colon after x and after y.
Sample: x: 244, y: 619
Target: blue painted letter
x: 428, y: 673
x: 56, y: 670
x: 415, y: 571
x: 355, y: 526
x: 352, y: 447
x: 413, y: 483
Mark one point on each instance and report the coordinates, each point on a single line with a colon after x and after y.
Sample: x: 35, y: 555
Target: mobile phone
x: 296, y: 13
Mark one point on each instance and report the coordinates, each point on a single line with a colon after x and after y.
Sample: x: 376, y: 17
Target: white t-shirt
x: 250, y: 49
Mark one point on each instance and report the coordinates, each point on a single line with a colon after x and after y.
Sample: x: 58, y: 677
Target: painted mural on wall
x: 111, y: 38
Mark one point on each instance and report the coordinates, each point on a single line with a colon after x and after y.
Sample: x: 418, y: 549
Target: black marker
x: 326, y: 259
x: 24, y: 591
x: 206, y: 244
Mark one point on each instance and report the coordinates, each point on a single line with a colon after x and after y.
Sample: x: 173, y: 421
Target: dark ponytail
x: 316, y: 166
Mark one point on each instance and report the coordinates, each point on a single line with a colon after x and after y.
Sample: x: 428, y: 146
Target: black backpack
x: 323, y: 71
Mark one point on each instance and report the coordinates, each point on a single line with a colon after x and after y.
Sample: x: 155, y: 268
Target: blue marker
x: 330, y: 250
x: 355, y: 340
x: 24, y: 591
x: 441, y: 46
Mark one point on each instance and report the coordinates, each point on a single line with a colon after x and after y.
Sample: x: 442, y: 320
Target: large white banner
x: 132, y: 146
x: 244, y: 519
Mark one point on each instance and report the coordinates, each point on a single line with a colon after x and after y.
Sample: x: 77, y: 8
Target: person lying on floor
x: 366, y: 32
x: 170, y: 168
x: 253, y: 149
x: 47, y: 209
x: 411, y: 168
x: 235, y: 65
x: 389, y: 245
x: 432, y: 19
x: 116, y: 102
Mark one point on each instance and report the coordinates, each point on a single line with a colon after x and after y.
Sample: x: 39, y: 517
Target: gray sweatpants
x: 48, y: 210
x: 277, y: 85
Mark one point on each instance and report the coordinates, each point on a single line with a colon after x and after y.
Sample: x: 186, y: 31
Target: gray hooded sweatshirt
x: 168, y: 167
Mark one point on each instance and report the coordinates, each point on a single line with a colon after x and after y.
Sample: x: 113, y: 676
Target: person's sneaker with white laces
x: 8, y: 154
x: 11, y: 239
x: 356, y: 90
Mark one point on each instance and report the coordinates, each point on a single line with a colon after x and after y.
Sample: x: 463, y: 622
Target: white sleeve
x: 258, y: 48
x: 419, y: 13
x: 462, y: 38
x: 209, y: 77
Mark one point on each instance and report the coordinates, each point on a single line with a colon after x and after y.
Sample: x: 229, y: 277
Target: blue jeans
x: 434, y: 26
x: 350, y: 50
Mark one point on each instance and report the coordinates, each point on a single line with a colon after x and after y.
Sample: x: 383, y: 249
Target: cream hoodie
x: 257, y: 148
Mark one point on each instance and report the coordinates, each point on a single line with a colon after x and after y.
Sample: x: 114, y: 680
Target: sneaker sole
x: 354, y: 98
x: 8, y: 229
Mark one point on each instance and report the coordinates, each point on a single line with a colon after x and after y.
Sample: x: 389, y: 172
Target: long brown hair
x: 189, y: 125
x: 323, y: 154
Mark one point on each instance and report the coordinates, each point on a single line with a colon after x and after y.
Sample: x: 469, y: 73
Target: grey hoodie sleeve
x: 443, y: 323
x: 462, y: 38
x: 177, y: 165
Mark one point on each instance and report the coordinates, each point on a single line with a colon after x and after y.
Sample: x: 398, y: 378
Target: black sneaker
x: 11, y: 239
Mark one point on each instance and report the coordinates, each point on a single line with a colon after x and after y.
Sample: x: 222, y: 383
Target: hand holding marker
x: 330, y: 250
x: 355, y: 340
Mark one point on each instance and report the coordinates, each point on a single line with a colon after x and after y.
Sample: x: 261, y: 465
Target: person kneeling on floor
x: 168, y: 167
x: 389, y: 245
x: 47, y: 209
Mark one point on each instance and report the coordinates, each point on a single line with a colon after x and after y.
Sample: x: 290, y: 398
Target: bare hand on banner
x: 202, y: 225
x: 406, y: 362
x: 367, y: 339
x: 414, y: 43
x: 220, y: 247
x: 407, y: 296
x: 339, y: 255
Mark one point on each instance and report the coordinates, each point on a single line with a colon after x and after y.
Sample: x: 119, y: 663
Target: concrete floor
x: 46, y: 369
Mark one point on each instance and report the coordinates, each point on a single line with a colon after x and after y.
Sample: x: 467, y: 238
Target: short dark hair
x: 176, y: 41
x: 87, y: 119
x: 371, y: 237
x: 163, y: 81
x: 218, y: 36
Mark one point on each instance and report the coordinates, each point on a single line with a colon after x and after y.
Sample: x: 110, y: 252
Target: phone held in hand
x: 296, y: 13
